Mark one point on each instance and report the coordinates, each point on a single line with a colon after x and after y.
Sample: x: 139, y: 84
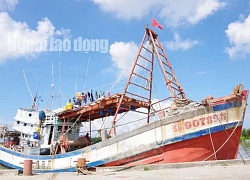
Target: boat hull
x: 191, y: 150
x: 204, y: 133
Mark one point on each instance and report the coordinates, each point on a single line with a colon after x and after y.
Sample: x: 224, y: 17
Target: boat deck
x: 102, y: 107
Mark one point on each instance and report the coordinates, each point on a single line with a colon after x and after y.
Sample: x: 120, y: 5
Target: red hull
x: 196, y: 149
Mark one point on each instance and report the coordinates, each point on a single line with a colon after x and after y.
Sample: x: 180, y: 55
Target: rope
x: 122, y: 116
x: 223, y: 143
x: 116, y: 82
x: 244, y: 150
x: 234, y: 134
x: 98, y: 87
x: 73, y: 123
x: 212, y: 143
x: 131, y: 122
x: 227, y: 135
x: 120, y: 124
x: 62, y: 95
x: 159, y: 120
x: 103, y: 121
x: 211, y: 137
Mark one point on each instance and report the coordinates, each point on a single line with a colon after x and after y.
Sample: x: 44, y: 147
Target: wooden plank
x: 92, y: 111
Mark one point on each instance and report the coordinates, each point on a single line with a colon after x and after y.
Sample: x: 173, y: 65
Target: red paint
x: 27, y: 167
x: 177, y: 127
x: 209, y: 120
x: 196, y: 123
x: 196, y: 149
x: 244, y: 93
x: 150, y: 160
x: 202, y: 120
x: 188, y: 124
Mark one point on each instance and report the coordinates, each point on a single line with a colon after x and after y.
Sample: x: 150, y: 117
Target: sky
x: 56, y: 48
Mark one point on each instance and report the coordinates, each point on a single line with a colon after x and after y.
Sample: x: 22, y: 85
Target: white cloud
x: 180, y: 12
x: 18, y: 40
x: 238, y: 34
x: 65, y: 33
x: 123, y: 55
x: 174, y: 13
x: 179, y: 43
x: 8, y: 5
x: 126, y: 9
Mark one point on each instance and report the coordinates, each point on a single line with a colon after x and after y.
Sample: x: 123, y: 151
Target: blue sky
x: 206, y: 41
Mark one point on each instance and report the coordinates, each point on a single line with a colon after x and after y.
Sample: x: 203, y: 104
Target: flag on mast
x: 156, y: 24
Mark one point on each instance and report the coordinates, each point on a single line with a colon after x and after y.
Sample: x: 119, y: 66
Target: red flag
x: 156, y: 24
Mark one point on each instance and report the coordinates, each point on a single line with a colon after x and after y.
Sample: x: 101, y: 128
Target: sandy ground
x: 220, y: 172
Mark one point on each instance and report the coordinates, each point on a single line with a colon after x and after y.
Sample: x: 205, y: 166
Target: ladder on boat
x: 149, y: 50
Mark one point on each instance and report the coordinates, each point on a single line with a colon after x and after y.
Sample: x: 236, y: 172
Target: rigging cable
x: 229, y: 137
x: 85, y: 77
x: 235, y: 135
x: 212, y: 143
x: 28, y: 86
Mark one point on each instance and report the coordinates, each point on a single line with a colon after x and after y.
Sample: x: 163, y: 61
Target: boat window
x: 18, y: 122
x: 50, y: 134
x: 25, y: 124
x: 30, y: 114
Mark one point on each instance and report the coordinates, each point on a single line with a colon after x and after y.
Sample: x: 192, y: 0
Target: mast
x: 76, y: 81
x: 27, y: 84
x: 152, y: 47
x: 52, y: 86
x: 85, y: 76
x: 34, y: 106
x: 59, y: 80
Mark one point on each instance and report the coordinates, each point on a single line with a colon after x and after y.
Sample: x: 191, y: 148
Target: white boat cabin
x: 40, y: 133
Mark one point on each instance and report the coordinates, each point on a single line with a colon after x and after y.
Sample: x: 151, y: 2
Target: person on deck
x: 85, y: 98
x: 91, y: 96
x: 96, y: 95
x: 88, y: 138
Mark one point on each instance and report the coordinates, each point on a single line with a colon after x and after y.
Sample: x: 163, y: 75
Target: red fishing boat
x: 184, y: 131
